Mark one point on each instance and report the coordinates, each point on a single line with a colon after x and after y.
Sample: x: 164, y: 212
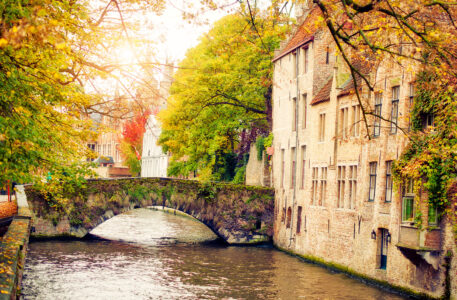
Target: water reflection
x: 154, y: 255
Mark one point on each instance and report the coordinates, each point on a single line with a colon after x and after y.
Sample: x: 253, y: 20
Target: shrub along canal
x: 146, y: 254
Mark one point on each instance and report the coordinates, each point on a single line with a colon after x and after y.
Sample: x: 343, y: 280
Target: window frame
x: 389, y: 179
x: 305, y: 60
x: 341, y: 185
x: 377, y: 114
x: 303, y: 165
x: 294, y: 114
x: 395, y: 104
x: 411, y: 103
x: 408, y: 195
x: 304, y: 110
x: 373, y: 166
x: 323, y: 186
x: 315, y: 185
x: 352, y: 188
x: 293, y: 167
x: 322, y: 127
x: 356, y: 120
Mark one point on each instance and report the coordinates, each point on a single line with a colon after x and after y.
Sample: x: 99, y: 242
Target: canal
x: 146, y: 254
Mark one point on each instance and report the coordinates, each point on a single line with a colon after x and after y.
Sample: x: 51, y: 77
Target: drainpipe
x: 294, y: 176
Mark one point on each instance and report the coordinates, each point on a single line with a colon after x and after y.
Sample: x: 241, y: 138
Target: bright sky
x: 170, y: 36
x: 177, y: 35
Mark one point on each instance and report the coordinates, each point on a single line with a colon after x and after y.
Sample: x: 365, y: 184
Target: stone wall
x: 342, y: 227
x: 238, y: 214
x: 13, y: 251
x: 255, y: 169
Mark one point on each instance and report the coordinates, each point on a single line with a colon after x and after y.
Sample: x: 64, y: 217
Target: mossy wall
x: 12, y: 257
x: 237, y: 213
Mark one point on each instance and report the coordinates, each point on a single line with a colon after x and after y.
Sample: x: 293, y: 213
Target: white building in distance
x: 154, y: 162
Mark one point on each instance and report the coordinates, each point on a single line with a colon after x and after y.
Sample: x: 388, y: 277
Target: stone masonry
x: 238, y: 214
x: 334, y: 199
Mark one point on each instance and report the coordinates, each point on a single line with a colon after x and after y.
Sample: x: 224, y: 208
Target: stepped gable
x: 303, y: 34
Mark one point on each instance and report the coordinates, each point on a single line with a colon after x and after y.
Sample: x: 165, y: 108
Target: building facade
x: 154, y: 162
x: 106, y: 147
x: 335, y: 197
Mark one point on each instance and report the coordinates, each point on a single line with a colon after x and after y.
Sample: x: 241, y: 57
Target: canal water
x: 146, y: 254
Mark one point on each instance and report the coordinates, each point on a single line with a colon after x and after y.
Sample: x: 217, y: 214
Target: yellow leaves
x: 60, y: 46
x: 3, y: 42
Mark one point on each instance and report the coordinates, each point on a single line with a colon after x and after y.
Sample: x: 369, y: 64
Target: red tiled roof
x: 324, y: 94
x: 304, y: 33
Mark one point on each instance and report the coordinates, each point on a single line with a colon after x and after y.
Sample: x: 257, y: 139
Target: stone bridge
x: 238, y: 214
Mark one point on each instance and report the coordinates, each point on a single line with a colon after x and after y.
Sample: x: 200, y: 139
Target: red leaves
x: 134, y: 129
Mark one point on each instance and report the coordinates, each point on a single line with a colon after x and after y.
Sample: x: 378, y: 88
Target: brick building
x: 335, y: 197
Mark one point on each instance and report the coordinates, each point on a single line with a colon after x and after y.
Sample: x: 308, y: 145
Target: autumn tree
x: 131, y: 141
x: 49, y: 52
x: 221, y: 88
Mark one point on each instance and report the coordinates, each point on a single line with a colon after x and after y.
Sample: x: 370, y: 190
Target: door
x: 384, y: 244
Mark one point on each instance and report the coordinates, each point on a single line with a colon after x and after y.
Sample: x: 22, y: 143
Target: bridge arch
x: 238, y: 214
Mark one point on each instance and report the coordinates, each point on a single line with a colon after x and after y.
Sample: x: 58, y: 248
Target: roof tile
x: 324, y: 94
x: 303, y: 34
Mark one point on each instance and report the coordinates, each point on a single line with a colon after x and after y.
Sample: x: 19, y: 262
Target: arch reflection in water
x: 153, y: 255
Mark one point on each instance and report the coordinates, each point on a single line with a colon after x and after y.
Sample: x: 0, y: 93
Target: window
x: 289, y: 217
x: 327, y: 56
x: 372, y: 190
x: 118, y: 155
x: 341, y: 184
x: 304, y: 111
x: 323, y: 186
x: 394, y: 114
x: 432, y: 214
x: 408, y: 209
x: 292, y: 167
x: 429, y: 120
x: 377, y: 114
x: 321, y: 127
x: 408, y: 202
x: 305, y: 60
x: 411, y: 103
x: 352, y: 189
x: 294, y: 114
x: 343, y: 122
x: 282, y: 167
x: 355, y: 120
x: 388, y: 181
x: 315, y: 183
x: 303, y: 165
x: 283, y: 215
x: 109, y: 150
x: 299, y: 219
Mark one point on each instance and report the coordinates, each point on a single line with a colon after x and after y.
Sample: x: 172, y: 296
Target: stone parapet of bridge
x: 238, y: 214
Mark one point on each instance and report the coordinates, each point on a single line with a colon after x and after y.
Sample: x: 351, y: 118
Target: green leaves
x: 222, y: 87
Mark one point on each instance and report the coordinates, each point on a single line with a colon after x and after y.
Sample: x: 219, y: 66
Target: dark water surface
x: 154, y: 255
